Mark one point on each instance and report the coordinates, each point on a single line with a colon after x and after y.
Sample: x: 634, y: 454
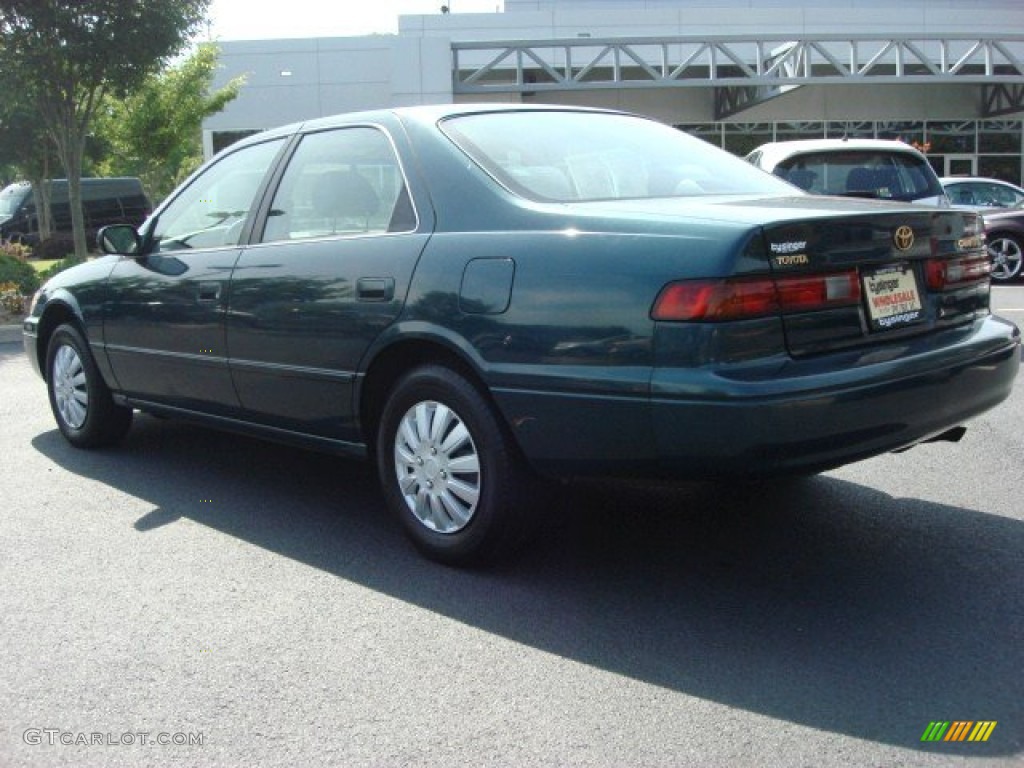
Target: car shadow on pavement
x: 820, y: 601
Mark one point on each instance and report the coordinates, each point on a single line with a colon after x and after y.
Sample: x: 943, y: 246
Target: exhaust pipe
x: 951, y: 435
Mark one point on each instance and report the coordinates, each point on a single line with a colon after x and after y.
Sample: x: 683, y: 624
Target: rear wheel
x: 1006, y: 253
x: 449, y: 470
x: 80, y: 400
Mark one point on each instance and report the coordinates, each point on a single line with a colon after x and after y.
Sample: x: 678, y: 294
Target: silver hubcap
x: 1006, y: 258
x: 69, y: 388
x: 437, y: 466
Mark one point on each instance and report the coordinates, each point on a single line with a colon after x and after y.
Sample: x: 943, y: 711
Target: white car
x: 873, y: 168
x: 979, y: 192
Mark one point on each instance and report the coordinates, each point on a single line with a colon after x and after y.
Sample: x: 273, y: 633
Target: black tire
x: 79, y: 398
x: 457, y: 483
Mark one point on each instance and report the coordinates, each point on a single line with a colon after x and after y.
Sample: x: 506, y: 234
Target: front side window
x: 579, y: 156
x: 341, y: 182
x: 210, y: 211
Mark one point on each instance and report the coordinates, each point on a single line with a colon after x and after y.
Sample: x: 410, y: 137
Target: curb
x: 10, y: 334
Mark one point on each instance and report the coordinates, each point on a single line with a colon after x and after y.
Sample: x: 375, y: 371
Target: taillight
x: 945, y: 274
x: 715, y: 300
x: 740, y: 298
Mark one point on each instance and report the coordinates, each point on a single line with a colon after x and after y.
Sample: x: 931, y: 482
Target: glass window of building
x: 743, y: 138
x: 912, y: 132
x: 801, y: 130
x: 709, y: 132
x: 999, y: 136
x: 955, y: 138
x: 863, y: 129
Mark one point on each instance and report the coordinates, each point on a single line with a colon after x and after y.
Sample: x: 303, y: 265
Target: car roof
x: 429, y: 113
x: 974, y: 179
x: 774, y: 152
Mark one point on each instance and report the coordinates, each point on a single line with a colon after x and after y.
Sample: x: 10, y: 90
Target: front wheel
x: 1006, y: 254
x: 449, y: 470
x: 79, y: 398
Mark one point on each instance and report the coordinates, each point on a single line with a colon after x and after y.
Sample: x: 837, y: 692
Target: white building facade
x: 946, y: 76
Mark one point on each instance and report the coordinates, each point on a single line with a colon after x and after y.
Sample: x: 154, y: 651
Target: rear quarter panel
x: 568, y: 358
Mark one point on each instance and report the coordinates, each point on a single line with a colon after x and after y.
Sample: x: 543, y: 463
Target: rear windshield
x: 862, y: 173
x: 579, y: 156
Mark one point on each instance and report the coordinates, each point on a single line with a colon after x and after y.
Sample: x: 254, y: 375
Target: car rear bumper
x: 861, y: 406
x: 800, y: 416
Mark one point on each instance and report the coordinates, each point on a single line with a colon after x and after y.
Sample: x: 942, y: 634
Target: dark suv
x: 118, y: 200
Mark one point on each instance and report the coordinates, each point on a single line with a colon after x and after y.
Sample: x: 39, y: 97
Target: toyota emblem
x: 903, y: 238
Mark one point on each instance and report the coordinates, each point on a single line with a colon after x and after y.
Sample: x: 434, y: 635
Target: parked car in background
x: 976, y: 192
x: 1004, y: 233
x: 478, y: 295
x: 117, y: 200
x: 872, y: 168
x: 1002, y: 206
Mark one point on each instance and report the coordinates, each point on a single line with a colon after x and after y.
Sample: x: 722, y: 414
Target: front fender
x: 76, y: 295
x: 51, y: 310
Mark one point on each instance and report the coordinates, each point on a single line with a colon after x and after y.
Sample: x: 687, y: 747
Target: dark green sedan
x: 478, y: 297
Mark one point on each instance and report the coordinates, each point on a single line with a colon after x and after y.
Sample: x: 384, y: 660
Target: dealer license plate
x: 892, y: 297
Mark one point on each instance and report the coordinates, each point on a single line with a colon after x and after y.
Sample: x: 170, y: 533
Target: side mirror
x: 120, y: 239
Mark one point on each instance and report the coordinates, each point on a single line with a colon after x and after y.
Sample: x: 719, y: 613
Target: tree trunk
x: 74, y: 169
x: 41, y: 197
x: 69, y: 135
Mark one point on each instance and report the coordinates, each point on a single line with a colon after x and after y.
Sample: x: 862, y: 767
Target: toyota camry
x: 476, y: 297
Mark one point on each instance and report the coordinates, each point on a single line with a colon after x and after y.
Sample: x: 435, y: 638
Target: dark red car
x: 1004, y: 230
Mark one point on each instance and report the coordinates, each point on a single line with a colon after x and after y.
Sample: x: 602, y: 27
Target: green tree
x: 68, y: 55
x: 26, y: 150
x: 156, y: 132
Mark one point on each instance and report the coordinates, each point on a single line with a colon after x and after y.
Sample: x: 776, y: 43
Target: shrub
x: 11, y: 299
x: 15, y: 250
x: 56, y: 247
x: 13, y: 270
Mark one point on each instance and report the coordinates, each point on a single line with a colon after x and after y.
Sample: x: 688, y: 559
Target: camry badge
x: 903, y: 238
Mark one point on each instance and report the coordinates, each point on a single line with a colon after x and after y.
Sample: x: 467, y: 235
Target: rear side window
x: 983, y: 194
x: 341, y: 182
x: 875, y: 174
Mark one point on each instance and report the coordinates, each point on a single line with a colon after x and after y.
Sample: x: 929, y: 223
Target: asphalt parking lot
x: 194, y: 598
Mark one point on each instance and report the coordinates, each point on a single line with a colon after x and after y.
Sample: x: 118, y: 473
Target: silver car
x: 978, y: 192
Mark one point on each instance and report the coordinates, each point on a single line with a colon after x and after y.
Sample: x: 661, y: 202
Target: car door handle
x: 209, y: 291
x: 375, y: 288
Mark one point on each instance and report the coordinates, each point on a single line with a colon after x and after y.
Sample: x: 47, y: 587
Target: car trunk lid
x: 901, y: 272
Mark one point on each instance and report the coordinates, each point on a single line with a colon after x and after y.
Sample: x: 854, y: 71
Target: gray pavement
x: 10, y: 334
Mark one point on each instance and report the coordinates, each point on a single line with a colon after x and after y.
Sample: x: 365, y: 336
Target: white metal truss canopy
x: 744, y: 69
